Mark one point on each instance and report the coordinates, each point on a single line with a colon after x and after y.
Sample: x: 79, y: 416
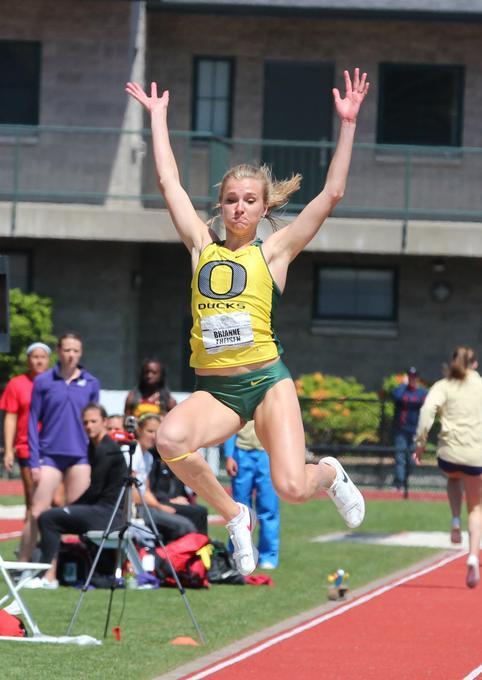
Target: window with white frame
x: 212, y: 97
x: 355, y: 294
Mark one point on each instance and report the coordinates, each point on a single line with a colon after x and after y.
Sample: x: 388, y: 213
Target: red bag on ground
x: 186, y: 561
x: 10, y: 625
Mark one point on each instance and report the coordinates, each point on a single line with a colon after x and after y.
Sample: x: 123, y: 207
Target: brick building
x: 392, y: 279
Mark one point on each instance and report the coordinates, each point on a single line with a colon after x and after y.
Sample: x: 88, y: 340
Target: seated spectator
x: 94, y: 508
x: 170, y: 523
x: 152, y: 394
x: 115, y: 423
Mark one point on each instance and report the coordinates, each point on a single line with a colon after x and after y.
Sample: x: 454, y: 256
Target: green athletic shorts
x: 243, y: 393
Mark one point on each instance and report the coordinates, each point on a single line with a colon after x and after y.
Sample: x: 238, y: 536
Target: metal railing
x: 97, y: 165
x: 357, y: 427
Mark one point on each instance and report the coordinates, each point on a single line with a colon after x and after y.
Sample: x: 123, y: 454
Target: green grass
x: 12, y: 500
x: 226, y: 613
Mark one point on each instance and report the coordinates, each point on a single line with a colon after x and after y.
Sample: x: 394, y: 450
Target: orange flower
x: 346, y: 412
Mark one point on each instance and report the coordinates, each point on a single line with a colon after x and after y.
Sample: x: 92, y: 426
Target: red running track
x: 426, y: 625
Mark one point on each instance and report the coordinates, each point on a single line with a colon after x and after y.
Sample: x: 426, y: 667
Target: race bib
x: 227, y: 331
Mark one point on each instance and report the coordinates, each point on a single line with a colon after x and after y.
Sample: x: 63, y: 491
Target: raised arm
x: 192, y: 230
x: 285, y: 244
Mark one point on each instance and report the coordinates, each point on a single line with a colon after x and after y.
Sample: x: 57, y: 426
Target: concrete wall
x: 91, y: 285
x: 131, y: 301
x: 426, y: 331
x: 88, y: 53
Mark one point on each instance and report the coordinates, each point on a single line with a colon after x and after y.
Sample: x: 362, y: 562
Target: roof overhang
x: 421, y: 10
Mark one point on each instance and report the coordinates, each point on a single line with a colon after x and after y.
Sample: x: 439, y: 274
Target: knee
x: 170, y: 442
x: 290, y: 490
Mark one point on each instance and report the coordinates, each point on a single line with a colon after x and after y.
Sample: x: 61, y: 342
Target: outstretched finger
x: 154, y: 90
x: 363, y: 80
x: 356, y: 79
x: 347, y: 82
x: 336, y: 95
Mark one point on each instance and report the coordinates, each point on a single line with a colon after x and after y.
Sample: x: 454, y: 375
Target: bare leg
x: 473, y: 486
x: 280, y: 429
x: 28, y: 489
x: 201, y: 420
x: 455, y: 494
x: 42, y: 499
x: 76, y: 481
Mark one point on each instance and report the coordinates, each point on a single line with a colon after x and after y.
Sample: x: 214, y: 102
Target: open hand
x: 8, y: 460
x: 347, y: 108
x: 152, y: 103
x: 231, y: 466
x: 417, y: 455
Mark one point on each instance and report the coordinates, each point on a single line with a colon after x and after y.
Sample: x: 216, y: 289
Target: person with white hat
x: 15, y: 402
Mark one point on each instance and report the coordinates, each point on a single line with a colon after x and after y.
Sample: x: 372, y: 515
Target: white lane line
x: 11, y: 534
x: 477, y: 672
x: 320, y: 619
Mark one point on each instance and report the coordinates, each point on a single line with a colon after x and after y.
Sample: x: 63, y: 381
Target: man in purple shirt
x: 408, y: 399
x: 59, y: 451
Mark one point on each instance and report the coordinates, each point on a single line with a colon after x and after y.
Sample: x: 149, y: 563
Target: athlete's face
x: 38, y: 361
x: 242, y: 205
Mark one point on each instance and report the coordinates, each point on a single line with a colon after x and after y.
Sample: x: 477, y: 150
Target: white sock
x: 239, y: 517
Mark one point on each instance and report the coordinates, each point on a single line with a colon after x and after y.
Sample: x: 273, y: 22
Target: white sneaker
x: 41, y: 583
x: 345, y: 495
x: 267, y: 565
x: 240, y: 529
x: 473, y: 576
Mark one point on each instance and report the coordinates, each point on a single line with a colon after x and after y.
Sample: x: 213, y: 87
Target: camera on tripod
x: 127, y: 435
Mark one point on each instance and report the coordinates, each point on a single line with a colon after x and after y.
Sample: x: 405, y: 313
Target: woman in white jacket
x: 458, y: 401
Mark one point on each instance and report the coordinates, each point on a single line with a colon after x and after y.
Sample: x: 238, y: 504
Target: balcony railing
x: 101, y: 165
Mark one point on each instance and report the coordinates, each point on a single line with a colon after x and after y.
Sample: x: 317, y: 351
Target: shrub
x: 338, y: 410
x: 30, y: 321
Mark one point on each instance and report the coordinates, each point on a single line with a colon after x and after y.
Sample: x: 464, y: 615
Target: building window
x: 213, y: 86
x: 420, y: 104
x: 355, y: 294
x: 19, y: 82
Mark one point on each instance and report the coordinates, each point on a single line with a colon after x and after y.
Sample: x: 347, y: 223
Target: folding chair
x: 34, y: 632
x: 112, y: 541
x: 33, y: 568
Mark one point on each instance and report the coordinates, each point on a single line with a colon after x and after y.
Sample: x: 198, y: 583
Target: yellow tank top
x: 234, y: 299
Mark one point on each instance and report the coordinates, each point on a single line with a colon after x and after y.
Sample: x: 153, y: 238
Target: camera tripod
x: 125, y: 495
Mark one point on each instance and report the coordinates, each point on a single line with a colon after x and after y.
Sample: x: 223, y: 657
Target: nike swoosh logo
x: 345, y: 478
x: 256, y: 382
